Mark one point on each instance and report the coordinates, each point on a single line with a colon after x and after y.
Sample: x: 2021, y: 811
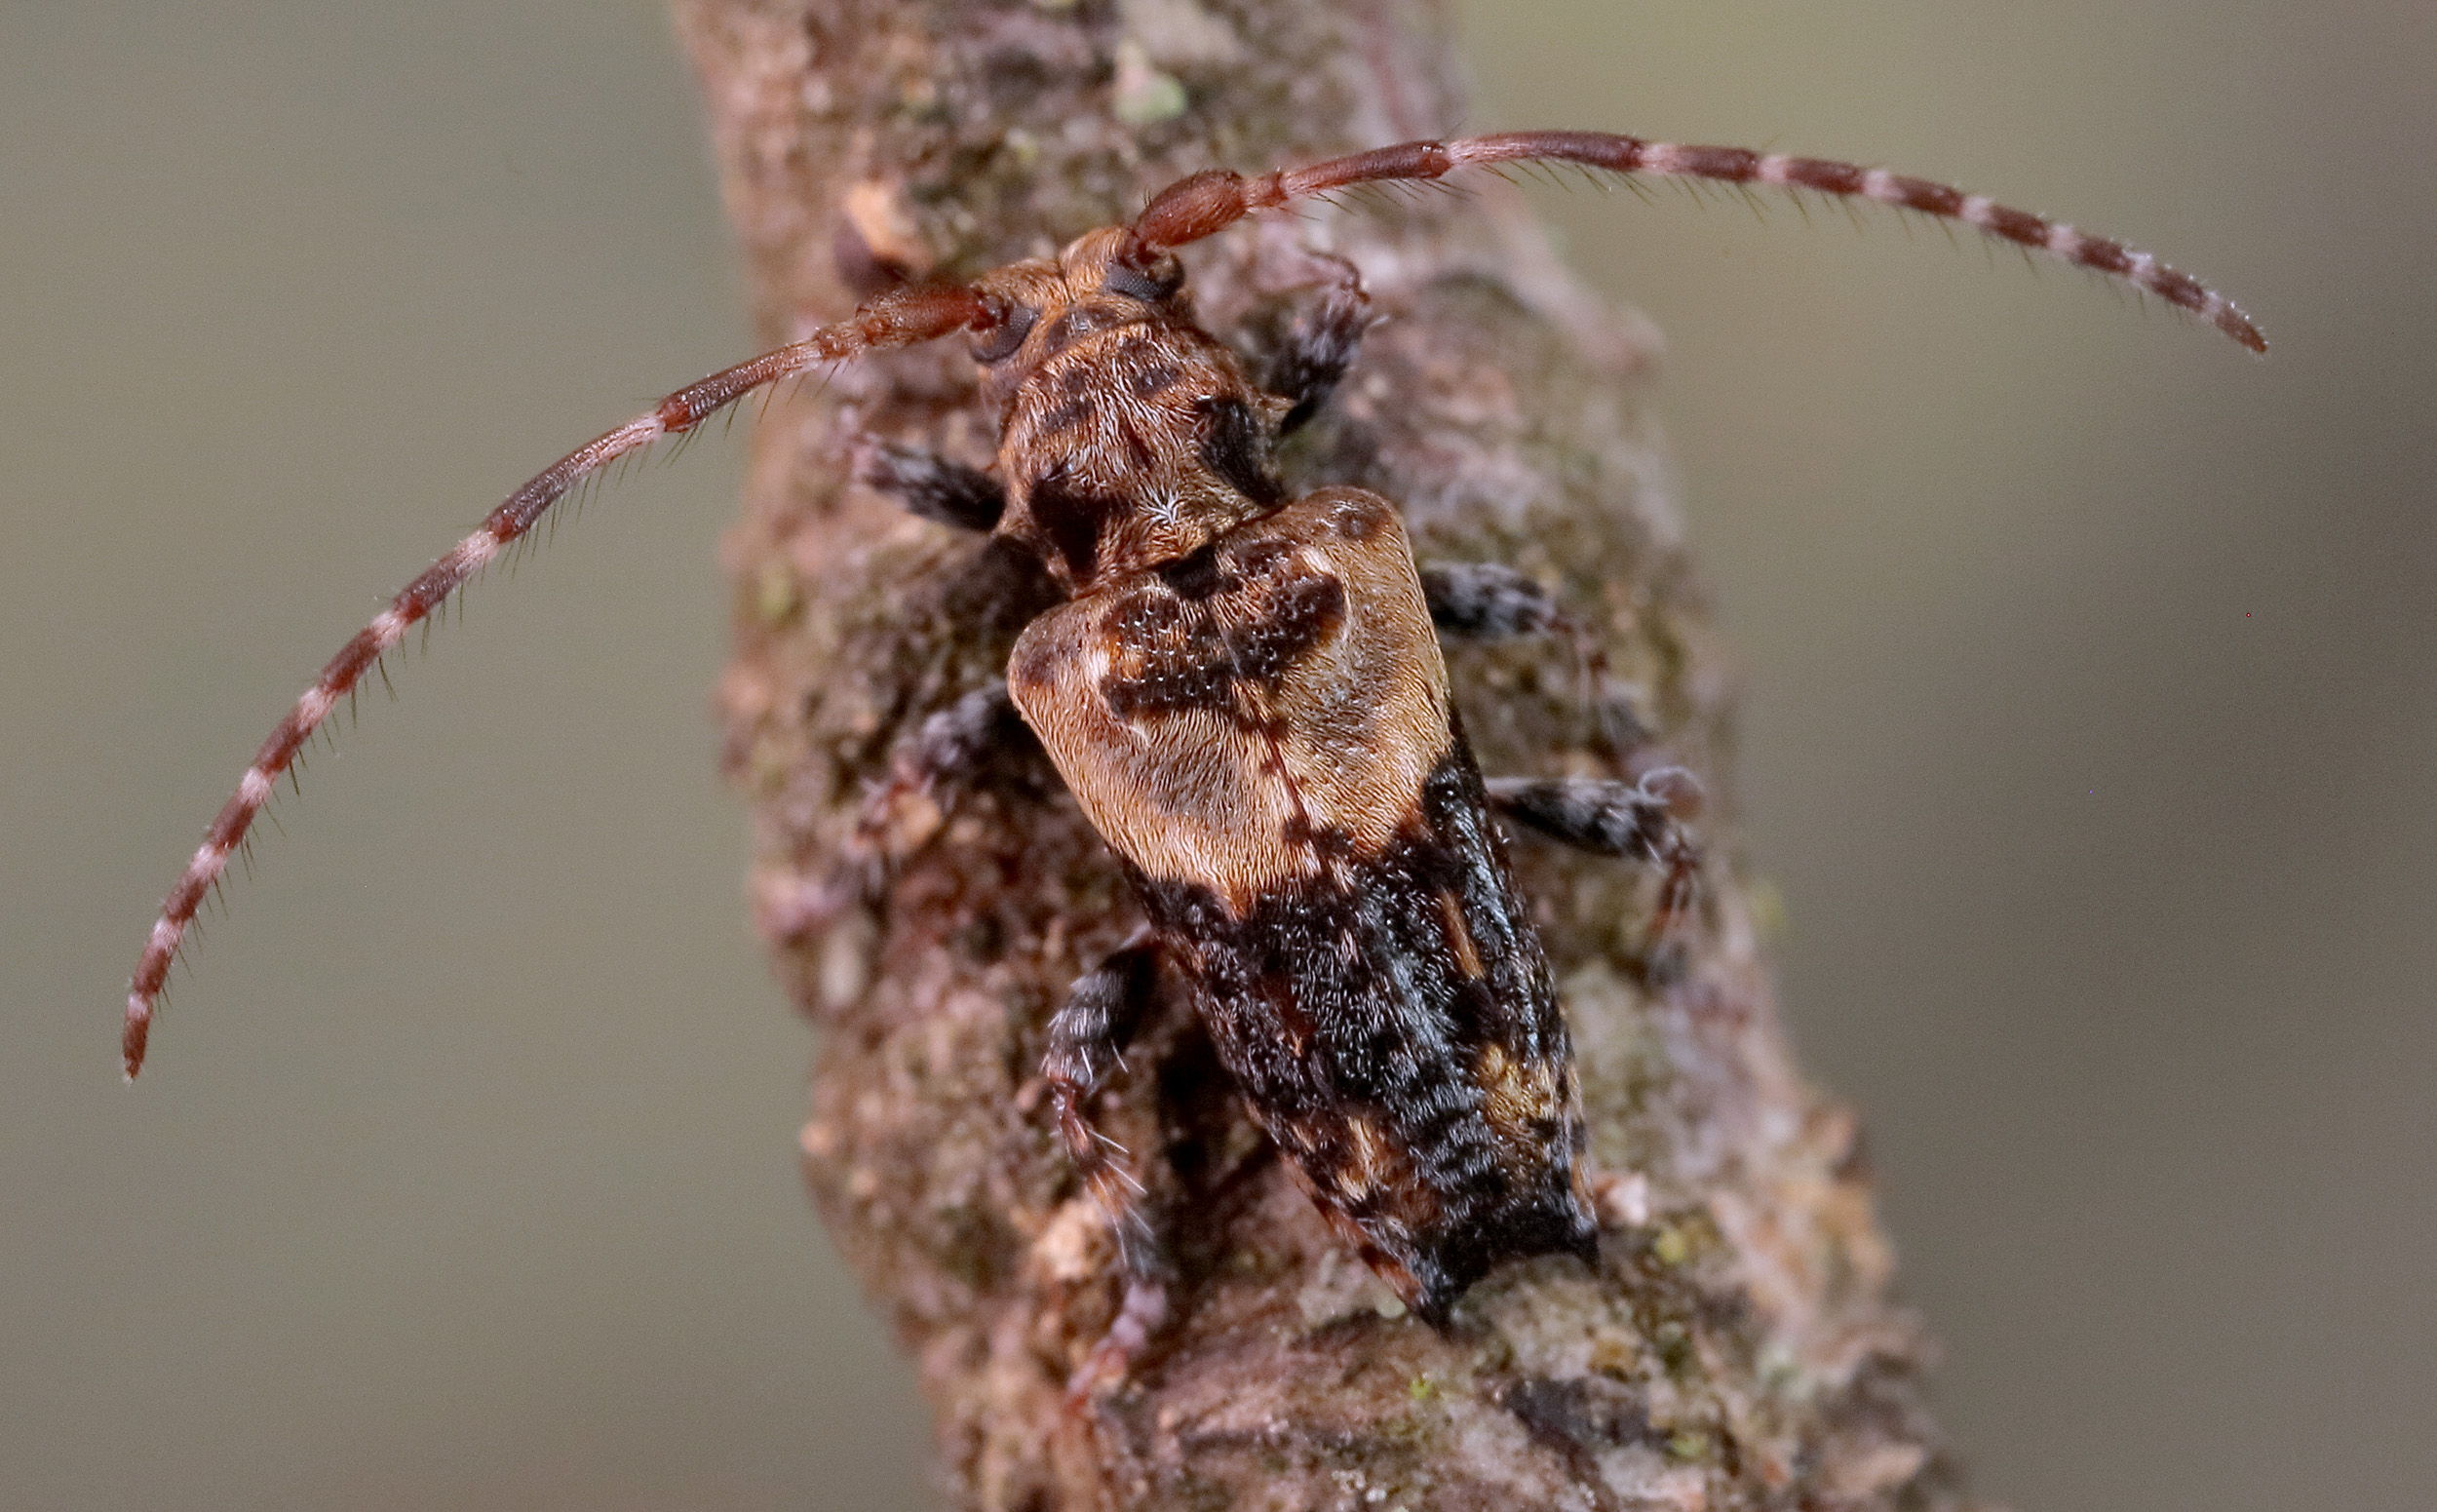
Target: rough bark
x: 1735, y: 1347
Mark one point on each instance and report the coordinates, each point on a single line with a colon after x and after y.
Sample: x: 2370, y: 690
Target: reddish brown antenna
x: 1208, y: 203
x: 897, y: 319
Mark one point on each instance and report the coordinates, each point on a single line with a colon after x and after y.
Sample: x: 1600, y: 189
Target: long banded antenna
x: 898, y: 319
x: 1210, y: 202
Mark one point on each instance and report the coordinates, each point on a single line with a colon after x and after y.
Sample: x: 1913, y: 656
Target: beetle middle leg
x: 955, y: 750
x: 1489, y: 600
x: 953, y: 746
x: 1087, y: 1039
x: 1635, y: 821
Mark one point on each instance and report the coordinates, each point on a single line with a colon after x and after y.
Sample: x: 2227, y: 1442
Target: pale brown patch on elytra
x: 1460, y: 938
x: 1515, y: 1095
x: 1374, y: 1163
x: 1229, y: 791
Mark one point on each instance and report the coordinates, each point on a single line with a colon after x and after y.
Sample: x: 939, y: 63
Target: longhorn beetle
x: 1244, y: 693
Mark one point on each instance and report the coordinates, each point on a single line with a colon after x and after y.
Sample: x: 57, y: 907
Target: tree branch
x: 1735, y: 1347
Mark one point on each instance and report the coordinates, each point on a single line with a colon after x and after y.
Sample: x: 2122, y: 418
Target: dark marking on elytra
x: 1380, y: 1109
x: 1172, y: 687
x: 1190, y: 653
x: 1303, y: 614
x: 1359, y: 522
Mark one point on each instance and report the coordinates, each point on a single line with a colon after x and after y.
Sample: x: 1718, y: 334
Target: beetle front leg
x: 1087, y: 1039
x: 1319, y: 346
x: 934, y: 486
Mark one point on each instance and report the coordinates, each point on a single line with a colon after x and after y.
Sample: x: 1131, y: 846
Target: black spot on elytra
x: 1195, y: 577
x: 1359, y: 520
x: 1327, y: 841
x: 1302, y: 615
x: 1184, y: 665
x: 1235, y: 446
x: 1189, y: 661
x: 1072, y: 519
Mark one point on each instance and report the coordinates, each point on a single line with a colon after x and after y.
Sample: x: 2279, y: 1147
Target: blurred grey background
x: 2090, y: 741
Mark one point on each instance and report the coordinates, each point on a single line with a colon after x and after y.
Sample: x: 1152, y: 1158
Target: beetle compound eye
x: 1153, y: 284
x: 999, y: 344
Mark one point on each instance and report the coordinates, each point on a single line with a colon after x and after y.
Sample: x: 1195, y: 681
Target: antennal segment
x: 897, y: 319
x: 1210, y: 202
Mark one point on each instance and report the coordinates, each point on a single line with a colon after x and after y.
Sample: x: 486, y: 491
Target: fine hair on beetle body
x: 1242, y: 689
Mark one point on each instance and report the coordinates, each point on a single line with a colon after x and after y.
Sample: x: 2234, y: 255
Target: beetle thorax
x: 1132, y: 437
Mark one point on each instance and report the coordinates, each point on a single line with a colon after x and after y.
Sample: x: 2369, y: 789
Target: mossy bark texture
x: 1735, y: 1346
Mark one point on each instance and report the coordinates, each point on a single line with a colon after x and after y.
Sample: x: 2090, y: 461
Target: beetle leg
x: 1087, y: 1039
x: 955, y: 742
x: 1636, y: 821
x: 950, y: 749
x: 934, y: 486
x: 1319, y: 346
x: 1632, y: 819
x: 1489, y: 600
x: 953, y: 750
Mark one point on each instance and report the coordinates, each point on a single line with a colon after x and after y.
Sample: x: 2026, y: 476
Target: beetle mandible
x: 1244, y: 693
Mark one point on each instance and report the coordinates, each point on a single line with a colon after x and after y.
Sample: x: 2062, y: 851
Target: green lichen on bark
x: 1735, y: 1347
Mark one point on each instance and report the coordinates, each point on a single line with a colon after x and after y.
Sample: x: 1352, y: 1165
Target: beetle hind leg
x: 1087, y: 1039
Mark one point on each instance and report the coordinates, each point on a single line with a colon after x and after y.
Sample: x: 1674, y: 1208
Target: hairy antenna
x: 1187, y: 211
x: 1210, y: 202
x: 902, y: 318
